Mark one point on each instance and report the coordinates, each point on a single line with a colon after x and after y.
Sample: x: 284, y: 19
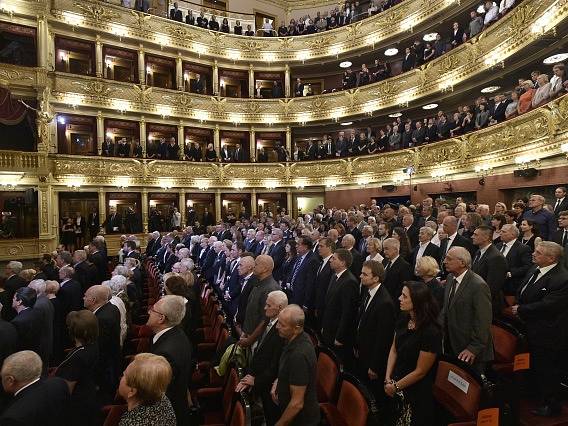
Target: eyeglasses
x: 151, y: 309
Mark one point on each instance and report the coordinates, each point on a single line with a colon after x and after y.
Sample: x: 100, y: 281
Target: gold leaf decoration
x: 96, y: 89
x: 96, y: 12
x: 218, y: 104
x: 143, y: 93
x: 319, y: 104
x: 285, y: 42
x: 286, y: 103
x: 179, y: 32
x: 448, y: 63
x: 253, y: 107
x: 319, y: 42
x: 252, y: 45
x: 216, y: 37
x: 521, y: 17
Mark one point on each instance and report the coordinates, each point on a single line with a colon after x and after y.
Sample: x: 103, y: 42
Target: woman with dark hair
x: 497, y: 223
x: 519, y: 209
x: 78, y: 368
x: 530, y: 235
x: 472, y: 221
x: 225, y: 26
x: 417, y: 343
x: 289, y: 260
x: 405, y: 247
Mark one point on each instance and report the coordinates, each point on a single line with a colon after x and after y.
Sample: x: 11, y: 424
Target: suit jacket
x: 458, y: 241
x: 86, y: 274
x: 265, y: 360
x: 492, y: 267
x: 243, y: 299
x: 399, y: 272
x: 519, y: 261
x: 239, y: 155
x: 457, y: 37
x: 10, y: 286
x: 113, y: 223
x: 316, y: 294
x: 431, y: 250
x: 8, y: 340
x: 375, y: 332
x: 29, y: 328
x: 341, y: 302
x: 467, y: 319
x: 357, y: 263
x: 93, y: 223
x: 42, y: 403
x: 408, y: 62
x: 71, y: 297
x: 108, y: 317
x: 499, y: 112
x: 305, y: 278
x: 412, y: 234
x: 278, y: 253
x: 176, y: 15
x: 44, y: 308
x: 100, y: 263
x: 542, y: 306
x: 207, y: 265
x: 174, y: 346
x: 562, y: 207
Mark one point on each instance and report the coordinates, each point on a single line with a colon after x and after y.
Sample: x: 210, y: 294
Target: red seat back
x: 504, y: 344
x: 327, y: 375
x: 457, y: 391
x: 238, y: 418
x: 114, y: 414
x: 352, y: 404
x: 228, y: 393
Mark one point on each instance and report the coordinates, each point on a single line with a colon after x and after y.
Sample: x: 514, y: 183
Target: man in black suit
x: 113, y: 222
x: 93, y: 223
x: 518, y: 257
x: 397, y: 270
x: 303, y: 272
x: 457, y: 35
x: 84, y: 271
x: 70, y: 291
x: 250, y: 241
x: 409, y: 60
x: 499, y: 108
x: 96, y: 300
x: 318, y: 290
x: 375, y: 329
x: 176, y: 14
x: 208, y: 218
x: 97, y: 258
x: 239, y: 154
x: 27, y: 321
x: 561, y: 236
x: 298, y: 88
x: 171, y: 342
x: 226, y: 154
x: 424, y: 247
x: 561, y: 202
x: 12, y: 282
x: 348, y: 243
x: 341, y: 303
x: 453, y: 239
x: 542, y: 301
x: 410, y: 229
x: 8, y: 339
x: 246, y: 282
x: 277, y: 252
x: 263, y: 367
x: 45, y: 311
x: 490, y: 264
x: 35, y: 401
x: 199, y: 87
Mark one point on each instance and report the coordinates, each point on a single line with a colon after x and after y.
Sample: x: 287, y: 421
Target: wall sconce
x: 9, y: 181
x: 222, y: 83
x: 149, y: 69
x: 75, y: 183
x: 189, y: 203
x: 564, y: 148
x: 239, y: 184
x: 122, y: 182
x: 202, y: 185
x: 301, y: 183
x: 186, y: 76
x: 63, y: 56
x: 166, y: 184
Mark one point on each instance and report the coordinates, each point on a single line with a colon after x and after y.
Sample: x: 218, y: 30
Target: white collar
x: 483, y: 250
x: 459, y: 278
x: 394, y: 260
x: 339, y: 274
x: 372, y: 293
x: 159, y: 334
x: 546, y: 269
x: 28, y: 385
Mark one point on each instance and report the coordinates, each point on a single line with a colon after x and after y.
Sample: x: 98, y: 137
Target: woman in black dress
x: 530, y: 234
x: 78, y: 368
x: 417, y: 343
x: 68, y: 235
x: 210, y: 154
x: 289, y: 260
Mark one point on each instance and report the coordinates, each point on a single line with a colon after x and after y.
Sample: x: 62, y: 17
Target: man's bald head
x: 290, y: 322
x: 263, y: 266
x: 96, y: 296
x: 450, y: 225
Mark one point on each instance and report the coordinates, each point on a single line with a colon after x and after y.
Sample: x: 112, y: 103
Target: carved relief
x: 97, y: 12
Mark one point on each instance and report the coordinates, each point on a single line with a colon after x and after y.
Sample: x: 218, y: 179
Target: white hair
x: 116, y: 284
x: 279, y: 297
x: 38, y: 286
x: 15, y: 266
x: 173, y: 308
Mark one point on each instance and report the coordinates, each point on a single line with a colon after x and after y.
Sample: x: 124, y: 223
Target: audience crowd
x: 388, y: 289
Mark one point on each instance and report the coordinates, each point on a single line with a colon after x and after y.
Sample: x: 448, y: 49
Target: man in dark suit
x: 35, y: 401
x: 208, y: 218
x: 93, y: 223
x: 113, y: 222
x: 246, y: 282
x: 542, y: 301
x: 97, y: 258
x: 318, y: 291
x: 239, y: 154
x: 84, y: 271
x: 341, y: 303
x: 499, y: 108
x: 96, y: 300
x: 561, y: 202
x: 561, y: 236
x: 27, y: 321
x: 226, y: 154
x: 518, y: 257
x: 490, y: 264
x: 375, y: 329
x: 12, y: 283
x: 453, y: 239
x: 457, y: 35
x: 277, y: 252
x: 298, y: 88
x: 8, y: 340
x: 199, y: 87
x: 467, y: 312
x: 263, y: 368
x: 397, y: 270
x: 348, y: 243
x: 410, y: 229
x: 303, y: 272
x: 176, y: 14
x: 424, y: 247
x: 70, y: 291
x: 250, y: 241
x: 409, y: 60
x: 45, y: 311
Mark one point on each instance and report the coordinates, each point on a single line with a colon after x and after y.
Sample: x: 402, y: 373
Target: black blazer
x: 10, y: 286
x: 174, y: 346
x: 499, y: 112
x: 71, y: 297
x: 176, y: 15
x: 408, y: 62
x: 357, y: 263
x: 29, y: 328
x: 542, y: 306
x: 562, y: 207
x: 108, y: 317
x: 458, y: 241
x: 264, y: 363
x: 399, y: 272
x: 375, y: 332
x: 42, y: 403
x: 278, y: 253
x: 305, y: 278
x: 519, y: 261
x: 492, y: 267
x: 243, y: 300
x: 8, y: 340
x: 100, y: 263
x: 341, y: 302
x: 431, y: 250
x: 316, y: 297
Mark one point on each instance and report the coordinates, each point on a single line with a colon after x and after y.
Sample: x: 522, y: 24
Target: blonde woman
x: 500, y: 208
x: 374, y: 248
x: 427, y: 270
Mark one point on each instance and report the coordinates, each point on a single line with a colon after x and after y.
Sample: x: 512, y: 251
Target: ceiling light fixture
x: 391, y: 52
x: 430, y: 106
x: 490, y: 89
x: 430, y: 37
x: 395, y: 115
x: 559, y: 57
x: 347, y: 123
x: 345, y: 64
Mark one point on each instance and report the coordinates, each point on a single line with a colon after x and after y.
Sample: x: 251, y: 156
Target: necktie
x: 532, y: 280
x: 363, y: 306
x: 557, y: 204
x: 387, y: 268
x: 565, y: 237
x: 503, y: 248
x: 452, y: 291
x: 296, y: 269
x: 477, y: 257
x: 322, y: 264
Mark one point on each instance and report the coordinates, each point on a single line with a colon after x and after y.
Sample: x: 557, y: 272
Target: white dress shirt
x: 159, y: 334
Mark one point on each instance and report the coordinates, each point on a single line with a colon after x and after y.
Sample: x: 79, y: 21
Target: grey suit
x: 467, y: 319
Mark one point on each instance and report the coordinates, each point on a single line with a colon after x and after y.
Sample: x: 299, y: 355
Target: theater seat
x: 353, y: 405
x: 217, y: 403
x: 239, y: 417
x: 114, y: 413
x: 457, y: 390
x: 328, y: 371
x: 505, y: 345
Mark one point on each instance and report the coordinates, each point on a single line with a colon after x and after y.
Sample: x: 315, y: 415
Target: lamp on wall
x: 9, y: 181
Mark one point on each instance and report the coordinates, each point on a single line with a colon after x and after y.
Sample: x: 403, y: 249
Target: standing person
x: 416, y: 345
x: 12, y: 282
x: 375, y: 328
x: 295, y: 388
x: 542, y: 300
x: 27, y: 321
x: 544, y: 220
x: 467, y: 312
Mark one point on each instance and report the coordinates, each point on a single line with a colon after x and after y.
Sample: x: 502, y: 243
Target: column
x: 182, y: 207
x: 99, y: 56
x: 287, y: 81
x: 215, y: 78
x: 253, y: 202
x: 252, y: 144
x: 100, y: 132
x: 289, y: 140
x: 217, y: 140
x: 251, y: 81
x: 218, y: 205
x: 179, y: 72
x: 44, y: 198
x: 141, y: 65
x: 145, y: 209
x: 143, y: 136
x: 42, y: 41
x: 289, y: 201
x: 181, y: 140
x: 102, y: 205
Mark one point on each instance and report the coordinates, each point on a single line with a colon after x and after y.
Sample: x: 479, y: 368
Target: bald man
x: 254, y: 317
x: 97, y: 300
x: 295, y: 388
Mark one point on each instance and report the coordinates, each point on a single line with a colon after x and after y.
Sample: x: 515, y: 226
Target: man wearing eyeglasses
x: 171, y: 342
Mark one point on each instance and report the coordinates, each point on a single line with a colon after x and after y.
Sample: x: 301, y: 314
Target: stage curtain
x: 12, y: 112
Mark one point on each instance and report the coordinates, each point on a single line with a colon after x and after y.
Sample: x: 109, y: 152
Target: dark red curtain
x: 12, y: 112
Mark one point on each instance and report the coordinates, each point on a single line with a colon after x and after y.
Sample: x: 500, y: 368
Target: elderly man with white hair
x: 544, y: 219
x: 45, y: 311
x: 119, y: 298
x: 12, y: 282
x: 518, y: 257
